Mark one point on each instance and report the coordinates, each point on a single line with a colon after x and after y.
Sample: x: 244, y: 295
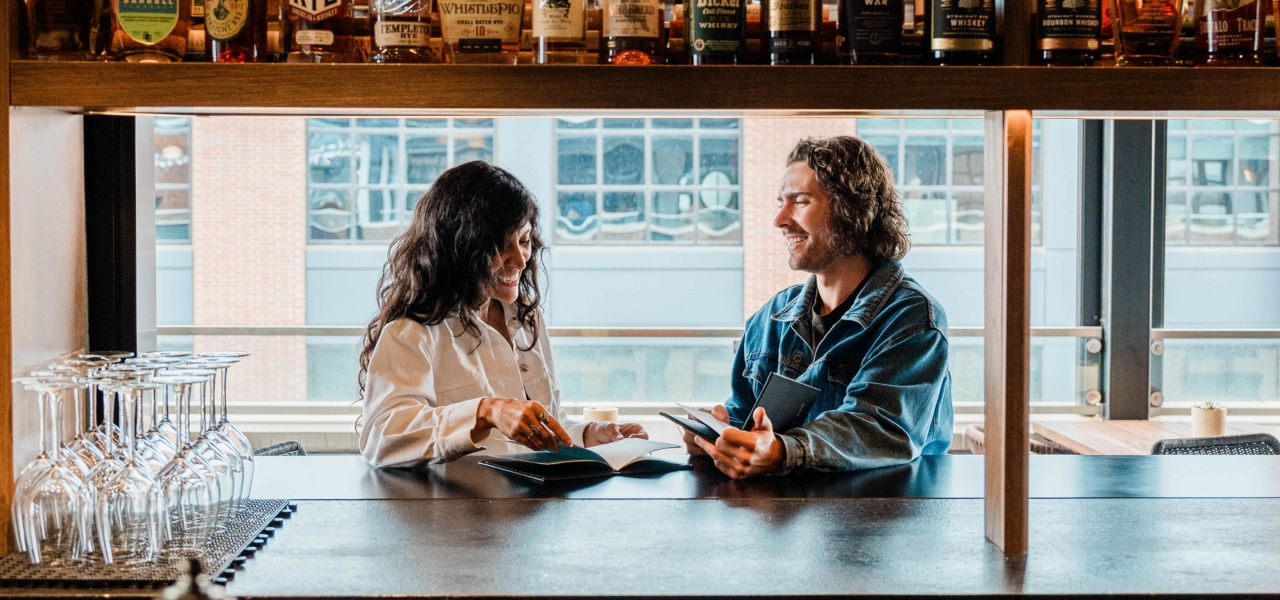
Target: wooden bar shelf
x: 319, y: 89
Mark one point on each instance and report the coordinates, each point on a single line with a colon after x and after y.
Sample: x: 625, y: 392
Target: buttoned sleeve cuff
x: 456, y: 423
x: 796, y: 455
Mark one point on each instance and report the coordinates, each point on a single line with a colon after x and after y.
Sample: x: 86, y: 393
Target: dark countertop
x: 766, y: 547
x: 349, y: 477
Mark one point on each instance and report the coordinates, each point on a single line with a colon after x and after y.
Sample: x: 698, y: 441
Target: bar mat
x: 256, y: 520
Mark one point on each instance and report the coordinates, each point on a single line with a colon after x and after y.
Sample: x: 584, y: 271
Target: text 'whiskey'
x: 790, y: 31
x: 631, y: 31
x: 235, y: 30
x: 1229, y: 33
x: 317, y: 30
x: 481, y: 31
x: 559, y: 31
x: 962, y: 32
x: 872, y: 31
x: 715, y: 31
x: 401, y: 31
x: 149, y: 30
x: 1068, y: 32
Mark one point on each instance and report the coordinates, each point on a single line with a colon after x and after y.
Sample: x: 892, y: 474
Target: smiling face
x: 509, y: 264
x: 804, y: 217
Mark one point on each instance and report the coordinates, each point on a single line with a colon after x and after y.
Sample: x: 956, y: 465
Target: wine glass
x: 45, y: 460
x: 203, y: 449
x: 129, y: 506
x: 189, y: 492
x: 54, y: 509
x: 229, y: 431
x: 217, y: 436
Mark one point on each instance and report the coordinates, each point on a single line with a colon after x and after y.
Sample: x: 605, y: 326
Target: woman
x: 458, y: 348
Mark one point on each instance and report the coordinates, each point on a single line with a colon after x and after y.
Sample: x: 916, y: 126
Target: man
x: 860, y: 330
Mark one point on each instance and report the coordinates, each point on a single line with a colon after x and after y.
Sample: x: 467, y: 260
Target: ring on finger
x: 535, y: 431
x: 543, y: 418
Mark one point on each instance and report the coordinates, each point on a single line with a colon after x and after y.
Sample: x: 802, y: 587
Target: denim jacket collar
x: 881, y: 282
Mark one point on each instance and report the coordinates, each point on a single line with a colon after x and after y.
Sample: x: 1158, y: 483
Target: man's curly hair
x: 866, y: 214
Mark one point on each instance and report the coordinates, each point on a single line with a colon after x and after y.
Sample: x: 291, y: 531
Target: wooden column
x: 1007, y: 361
x: 8, y: 48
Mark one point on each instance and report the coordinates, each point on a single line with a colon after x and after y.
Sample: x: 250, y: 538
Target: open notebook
x: 623, y: 457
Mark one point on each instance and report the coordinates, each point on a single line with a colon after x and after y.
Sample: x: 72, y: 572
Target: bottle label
x: 632, y: 18
x: 147, y: 21
x: 793, y: 15
x: 317, y: 10
x: 401, y: 33
x: 963, y: 25
x: 225, y: 19
x: 715, y: 27
x: 313, y: 37
x: 559, y: 18
x: 1069, y: 24
x: 197, y: 8
x: 1229, y: 26
x: 873, y: 25
x: 476, y: 22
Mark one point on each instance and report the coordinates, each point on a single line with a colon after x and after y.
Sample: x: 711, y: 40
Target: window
x: 364, y: 176
x: 648, y: 181
x: 1223, y: 182
x: 173, y: 180
x: 938, y: 165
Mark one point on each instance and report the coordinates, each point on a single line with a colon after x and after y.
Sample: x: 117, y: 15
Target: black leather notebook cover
x: 571, y: 463
x: 786, y: 401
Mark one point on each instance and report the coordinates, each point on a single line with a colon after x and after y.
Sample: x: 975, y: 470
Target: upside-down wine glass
x: 243, y: 464
x: 189, y: 492
x: 231, y: 432
x: 53, y: 509
x: 44, y: 460
x: 129, y: 508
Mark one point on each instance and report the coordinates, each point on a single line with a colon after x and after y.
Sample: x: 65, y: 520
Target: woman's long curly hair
x: 866, y: 214
x: 442, y: 265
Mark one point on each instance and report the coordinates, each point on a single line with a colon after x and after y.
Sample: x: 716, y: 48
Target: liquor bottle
x: 149, y: 30
x: 316, y: 30
x: 559, y: 31
x: 631, y: 32
x: 962, y: 32
x: 401, y: 31
x: 872, y: 31
x: 235, y: 30
x: 197, y: 13
x: 61, y: 29
x: 1229, y: 33
x: 715, y: 31
x: 789, y: 31
x: 1146, y: 31
x: 361, y: 33
x: 1068, y: 32
x: 481, y: 31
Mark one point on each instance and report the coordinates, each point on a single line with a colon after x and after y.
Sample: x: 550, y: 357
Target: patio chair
x: 281, y: 449
x: 1252, y: 443
x: 976, y: 440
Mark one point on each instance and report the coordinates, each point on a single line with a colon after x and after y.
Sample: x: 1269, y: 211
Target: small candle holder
x: 1208, y: 419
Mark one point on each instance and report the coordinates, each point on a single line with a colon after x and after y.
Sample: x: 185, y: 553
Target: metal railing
x: 603, y: 332
x: 1231, y: 334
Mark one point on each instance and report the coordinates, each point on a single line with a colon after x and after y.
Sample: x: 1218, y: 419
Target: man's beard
x: 818, y: 254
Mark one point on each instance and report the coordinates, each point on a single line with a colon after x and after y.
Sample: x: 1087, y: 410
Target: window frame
x: 185, y: 130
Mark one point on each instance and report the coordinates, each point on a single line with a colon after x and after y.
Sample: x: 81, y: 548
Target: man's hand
x: 604, y: 433
x: 690, y: 446
x: 742, y: 454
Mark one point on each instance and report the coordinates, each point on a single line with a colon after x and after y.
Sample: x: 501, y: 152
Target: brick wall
x: 248, y: 243
x: 766, y: 144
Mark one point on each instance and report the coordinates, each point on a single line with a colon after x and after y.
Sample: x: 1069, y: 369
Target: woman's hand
x: 524, y: 421
x: 603, y: 433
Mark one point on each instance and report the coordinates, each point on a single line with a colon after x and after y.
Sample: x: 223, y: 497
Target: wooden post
x: 1014, y: 28
x: 1007, y: 353
x: 8, y: 46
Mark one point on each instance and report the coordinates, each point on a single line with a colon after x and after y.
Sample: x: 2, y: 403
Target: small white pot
x: 600, y: 414
x: 1208, y: 422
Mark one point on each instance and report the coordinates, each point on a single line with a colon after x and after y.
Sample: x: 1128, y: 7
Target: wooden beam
x: 8, y: 49
x: 1007, y: 352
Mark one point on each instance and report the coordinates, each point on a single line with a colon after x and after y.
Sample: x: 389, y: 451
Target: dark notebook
x: 623, y: 457
x: 786, y: 401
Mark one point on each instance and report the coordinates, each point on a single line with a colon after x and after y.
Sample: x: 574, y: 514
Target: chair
x: 1252, y: 443
x: 281, y: 449
x: 976, y: 440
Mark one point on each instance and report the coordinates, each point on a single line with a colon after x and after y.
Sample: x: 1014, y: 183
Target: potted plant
x: 1208, y: 418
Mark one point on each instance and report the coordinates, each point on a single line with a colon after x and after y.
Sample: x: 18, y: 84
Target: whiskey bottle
x: 235, y: 30
x: 715, y: 31
x: 401, y: 31
x: 872, y: 31
x: 481, y: 31
x: 1229, y: 33
x: 631, y: 32
x: 197, y: 13
x: 1146, y: 31
x: 962, y: 32
x: 1068, y: 32
x: 316, y: 30
x: 149, y: 30
x: 789, y: 31
x: 62, y: 29
x: 559, y: 31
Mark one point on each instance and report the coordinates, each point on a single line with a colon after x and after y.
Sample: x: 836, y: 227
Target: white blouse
x: 424, y: 385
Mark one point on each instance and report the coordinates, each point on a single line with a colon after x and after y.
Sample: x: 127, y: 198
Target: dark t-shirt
x: 823, y: 323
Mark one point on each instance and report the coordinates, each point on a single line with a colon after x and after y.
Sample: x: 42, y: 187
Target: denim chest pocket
x: 841, y: 371
x: 758, y: 371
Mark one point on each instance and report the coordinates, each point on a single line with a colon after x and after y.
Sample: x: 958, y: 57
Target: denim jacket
x: 882, y: 370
